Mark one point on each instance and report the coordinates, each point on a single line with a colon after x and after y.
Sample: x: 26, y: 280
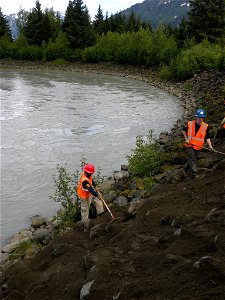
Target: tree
x: 120, y: 23
x: 98, y: 22
x: 77, y: 25
x: 5, y: 30
x: 207, y: 19
x: 37, y: 27
x: 133, y: 22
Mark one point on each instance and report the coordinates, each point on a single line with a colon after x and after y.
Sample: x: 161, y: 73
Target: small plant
x: 66, y: 195
x: 148, y: 183
x: 146, y: 157
x: 23, y: 248
x: 60, y: 61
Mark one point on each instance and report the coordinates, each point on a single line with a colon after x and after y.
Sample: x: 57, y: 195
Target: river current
x: 59, y: 117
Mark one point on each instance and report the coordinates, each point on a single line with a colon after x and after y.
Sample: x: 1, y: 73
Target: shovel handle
x: 106, y: 206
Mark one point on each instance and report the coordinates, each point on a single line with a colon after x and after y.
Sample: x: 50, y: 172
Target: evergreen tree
x: 37, y: 28
x: 107, y: 25
x: 181, y: 33
x: 120, y: 23
x: 207, y: 19
x: 133, y: 22
x: 5, y: 30
x: 77, y: 25
x: 53, y: 22
x: 98, y: 22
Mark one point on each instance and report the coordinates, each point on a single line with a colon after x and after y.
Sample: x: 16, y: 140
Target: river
x: 58, y: 117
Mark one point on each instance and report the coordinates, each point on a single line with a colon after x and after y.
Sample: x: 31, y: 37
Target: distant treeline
x: 178, y: 53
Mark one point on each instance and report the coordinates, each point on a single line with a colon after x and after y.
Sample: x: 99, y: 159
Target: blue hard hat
x: 200, y: 113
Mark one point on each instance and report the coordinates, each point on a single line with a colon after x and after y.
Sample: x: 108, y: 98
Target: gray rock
x: 23, y: 234
x: 134, y: 206
x: 120, y: 201
x: 38, y: 221
x: 44, y: 235
x: 86, y: 290
x: 10, y: 247
x: 120, y: 175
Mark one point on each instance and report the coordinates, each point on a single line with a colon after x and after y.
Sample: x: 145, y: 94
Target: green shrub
x: 66, y: 195
x: 5, y: 48
x: 146, y: 157
x: 29, y: 52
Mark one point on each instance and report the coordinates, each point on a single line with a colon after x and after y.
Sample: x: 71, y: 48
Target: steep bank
x: 170, y: 247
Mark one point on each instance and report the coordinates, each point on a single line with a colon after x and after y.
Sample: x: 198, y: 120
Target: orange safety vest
x: 83, y: 193
x: 224, y: 125
x: 196, y: 140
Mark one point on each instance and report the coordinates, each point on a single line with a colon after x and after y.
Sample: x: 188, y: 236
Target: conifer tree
x: 133, y: 23
x: 77, y: 25
x: 207, y: 19
x: 37, y: 27
x: 5, y: 30
x: 120, y: 23
x: 98, y: 22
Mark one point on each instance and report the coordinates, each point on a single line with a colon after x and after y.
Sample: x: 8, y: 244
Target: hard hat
x: 200, y: 113
x: 89, y: 168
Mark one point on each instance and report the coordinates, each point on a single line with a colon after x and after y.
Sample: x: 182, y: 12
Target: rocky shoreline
x: 191, y: 94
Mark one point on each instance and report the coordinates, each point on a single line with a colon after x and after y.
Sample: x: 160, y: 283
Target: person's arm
x: 208, y: 140
x: 210, y: 144
x: 87, y: 186
x: 184, y: 131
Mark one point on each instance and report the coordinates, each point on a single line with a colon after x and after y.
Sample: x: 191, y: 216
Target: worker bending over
x: 87, y: 192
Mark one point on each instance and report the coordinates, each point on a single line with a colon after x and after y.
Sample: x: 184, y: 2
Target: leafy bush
x: 191, y: 61
x: 29, y: 52
x: 66, y: 195
x: 146, y: 157
x: 5, y: 48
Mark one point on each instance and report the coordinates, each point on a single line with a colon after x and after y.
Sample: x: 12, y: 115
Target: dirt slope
x: 174, y: 248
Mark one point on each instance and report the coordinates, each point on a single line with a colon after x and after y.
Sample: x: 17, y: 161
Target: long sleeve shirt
x: 86, y: 185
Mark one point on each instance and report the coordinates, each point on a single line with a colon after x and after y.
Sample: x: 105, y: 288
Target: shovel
x: 106, y: 206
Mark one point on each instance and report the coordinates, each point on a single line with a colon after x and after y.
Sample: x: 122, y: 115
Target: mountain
x: 160, y: 11
x: 12, y: 23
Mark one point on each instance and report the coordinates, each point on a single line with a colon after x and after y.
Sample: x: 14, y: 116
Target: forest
x: 196, y: 44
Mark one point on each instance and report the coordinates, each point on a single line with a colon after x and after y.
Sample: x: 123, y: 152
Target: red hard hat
x: 89, y: 168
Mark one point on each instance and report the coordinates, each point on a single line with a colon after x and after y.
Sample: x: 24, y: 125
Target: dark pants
x: 191, y: 166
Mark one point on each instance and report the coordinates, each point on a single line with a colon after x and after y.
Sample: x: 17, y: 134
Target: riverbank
x: 165, y: 243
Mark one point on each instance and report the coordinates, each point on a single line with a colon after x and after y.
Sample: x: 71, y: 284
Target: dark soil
x: 141, y: 257
x: 172, y: 248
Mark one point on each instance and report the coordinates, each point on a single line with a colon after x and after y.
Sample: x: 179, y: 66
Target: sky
x: 110, y: 6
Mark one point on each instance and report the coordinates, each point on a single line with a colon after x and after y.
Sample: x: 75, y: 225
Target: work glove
x: 187, y: 141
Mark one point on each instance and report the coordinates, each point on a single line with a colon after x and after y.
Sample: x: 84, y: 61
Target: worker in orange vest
x: 195, y: 133
x: 87, y: 192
